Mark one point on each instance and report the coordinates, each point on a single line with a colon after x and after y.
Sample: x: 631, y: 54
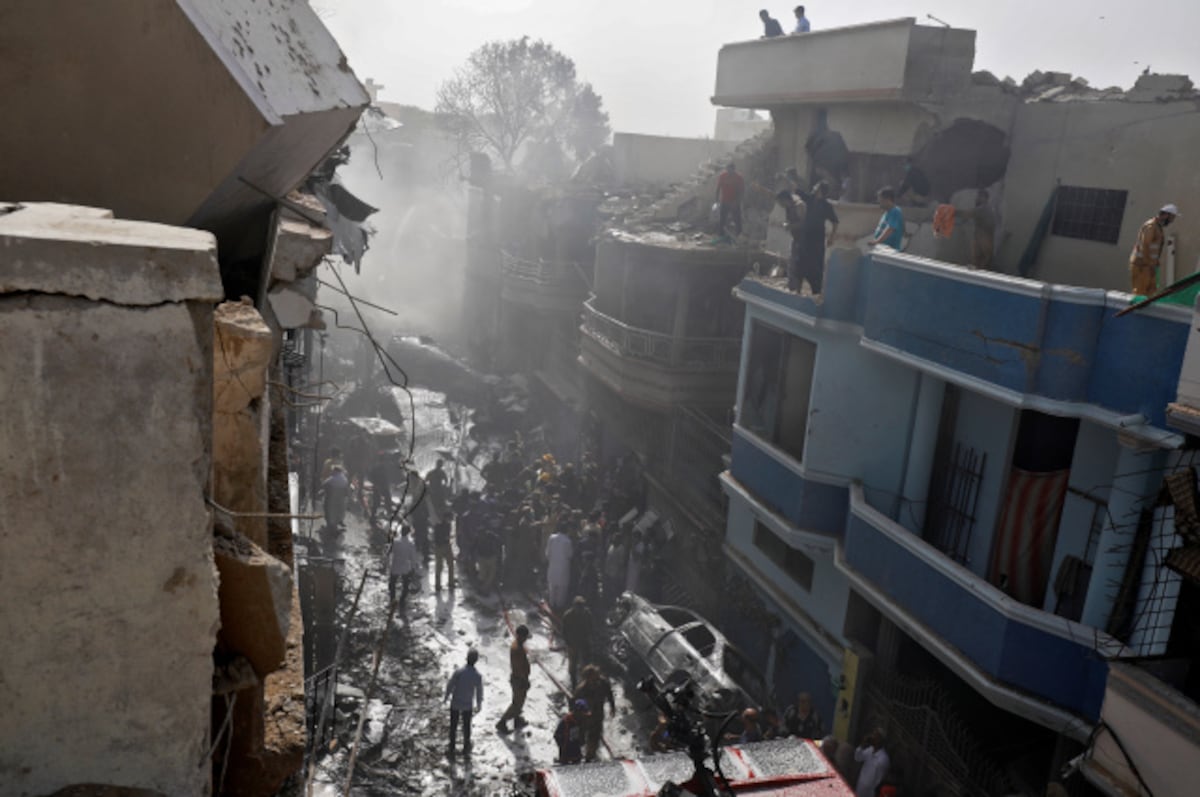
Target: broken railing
x: 320, y: 697
x: 659, y: 347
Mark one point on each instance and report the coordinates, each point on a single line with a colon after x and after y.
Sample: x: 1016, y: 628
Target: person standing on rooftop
x: 1147, y: 251
x: 731, y: 187
x: 890, y: 230
x: 802, y: 25
x: 815, y: 239
x: 771, y: 26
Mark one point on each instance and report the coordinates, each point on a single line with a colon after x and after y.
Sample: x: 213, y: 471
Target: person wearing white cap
x: 1143, y: 260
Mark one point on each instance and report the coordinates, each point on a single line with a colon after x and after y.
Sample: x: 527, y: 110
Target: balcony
x: 895, y: 60
x: 658, y: 369
x: 540, y: 284
x: 1053, y: 348
x: 998, y: 644
x: 777, y: 480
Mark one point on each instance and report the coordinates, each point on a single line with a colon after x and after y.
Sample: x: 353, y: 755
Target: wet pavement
x: 403, y: 746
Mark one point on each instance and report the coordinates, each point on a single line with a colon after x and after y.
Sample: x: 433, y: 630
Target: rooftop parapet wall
x: 106, y: 564
x: 880, y: 61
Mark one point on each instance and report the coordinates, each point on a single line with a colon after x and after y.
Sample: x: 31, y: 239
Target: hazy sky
x: 654, y: 61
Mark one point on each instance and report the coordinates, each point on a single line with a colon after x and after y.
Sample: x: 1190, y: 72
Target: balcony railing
x: 658, y: 347
x: 989, y: 631
x: 546, y: 273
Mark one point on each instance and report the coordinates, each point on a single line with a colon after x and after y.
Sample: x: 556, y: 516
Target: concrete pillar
x: 922, y: 446
x: 106, y: 563
x: 743, y: 364
x: 1134, y: 487
x: 679, y: 323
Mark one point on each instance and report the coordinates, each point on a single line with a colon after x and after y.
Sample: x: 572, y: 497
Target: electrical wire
x: 388, y: 363
x: 1133, y: 767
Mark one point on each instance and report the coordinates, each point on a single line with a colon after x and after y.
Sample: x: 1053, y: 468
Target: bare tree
x: 514, y: 95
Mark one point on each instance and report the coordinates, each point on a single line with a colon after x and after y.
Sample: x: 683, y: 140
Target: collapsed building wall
x: 1139, y: 142
x: 106, y: 563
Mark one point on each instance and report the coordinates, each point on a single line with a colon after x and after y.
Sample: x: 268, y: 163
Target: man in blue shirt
x: 802, y: 25
x: 465, y: 684
x: 890, y: 230
x: 771, y: 26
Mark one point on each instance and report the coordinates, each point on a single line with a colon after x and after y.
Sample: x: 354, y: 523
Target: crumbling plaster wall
x: 106, y: 564
x: 242, y: 350
x: 1147, y: 149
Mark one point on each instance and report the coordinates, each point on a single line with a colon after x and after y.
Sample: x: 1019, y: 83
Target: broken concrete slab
x: 243, y: 349
x: 243, y: 352
x: 256, y: 597
x: 291, y: 307
x: 56, y: 249
x: 298, y: 247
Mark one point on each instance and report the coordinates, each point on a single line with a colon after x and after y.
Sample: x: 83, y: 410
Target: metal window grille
x: 1091, y: 214
x: 928, y: 737
x: 951, y: 518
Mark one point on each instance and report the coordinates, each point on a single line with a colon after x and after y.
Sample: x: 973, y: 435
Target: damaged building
x: 155, y: 260
x: 957, y: 491
x: 939, y: 499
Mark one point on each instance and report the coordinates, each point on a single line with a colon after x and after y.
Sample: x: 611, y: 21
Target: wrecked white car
x: 674, y: 644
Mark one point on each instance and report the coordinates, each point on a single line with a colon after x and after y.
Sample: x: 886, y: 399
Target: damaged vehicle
x: 674, y: 644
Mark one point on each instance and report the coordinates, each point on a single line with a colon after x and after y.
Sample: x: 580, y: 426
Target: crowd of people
x: 538, y: 524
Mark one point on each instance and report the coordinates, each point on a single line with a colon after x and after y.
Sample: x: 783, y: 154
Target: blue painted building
x: 953, y: 476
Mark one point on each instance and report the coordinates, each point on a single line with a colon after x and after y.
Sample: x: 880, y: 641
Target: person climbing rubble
x: 731, y: 188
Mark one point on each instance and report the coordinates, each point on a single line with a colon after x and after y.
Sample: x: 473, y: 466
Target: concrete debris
x: 1063, y: 87
x: 234, y: 676
x: 255, y: 596
x: 242, y: 349
x: 297, y: 248
x: 242, y: 352
x: 82, y: 251
x: 292, y: 308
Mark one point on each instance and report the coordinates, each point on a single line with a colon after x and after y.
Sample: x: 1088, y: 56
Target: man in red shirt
x: 730, y: 188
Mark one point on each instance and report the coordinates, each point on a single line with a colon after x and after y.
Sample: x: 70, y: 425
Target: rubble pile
x: 1039, y: 86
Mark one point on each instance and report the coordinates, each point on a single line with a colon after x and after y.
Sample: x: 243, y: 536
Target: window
x: 779, y: 380
x: 1093, y: 214
x: 798, y: 566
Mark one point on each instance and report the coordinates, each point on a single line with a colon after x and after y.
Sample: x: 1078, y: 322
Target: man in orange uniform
x: 1144, y: 259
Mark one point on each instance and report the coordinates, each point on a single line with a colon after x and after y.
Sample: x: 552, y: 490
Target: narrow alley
x: 404, y: 736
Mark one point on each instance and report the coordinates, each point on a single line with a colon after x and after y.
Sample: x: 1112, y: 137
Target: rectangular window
x: 1092, y: 214
x: 779, y: 378
x: 798, y: 566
